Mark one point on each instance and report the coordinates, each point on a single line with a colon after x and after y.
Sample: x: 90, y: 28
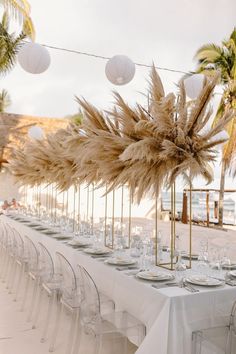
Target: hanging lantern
x: 34, y: 58
x: 120, y: 70
x: 193, y: 85
x: 36, y: 132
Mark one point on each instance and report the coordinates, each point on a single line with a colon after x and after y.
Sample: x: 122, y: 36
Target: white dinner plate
x: 193, y: 256
x: 232, y: 273
x: 33, y: 224
x: 203, y: 281
x: 229, y: 266
x: 120, y: 261
x: 155, y: 276
x: 97, y: 251
x: 49, y: 232
x: 40, y: 228
x: 79, y: 243
x: 62, y: 237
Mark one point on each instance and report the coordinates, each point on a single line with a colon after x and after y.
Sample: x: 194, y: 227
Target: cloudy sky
x: 166, y: 32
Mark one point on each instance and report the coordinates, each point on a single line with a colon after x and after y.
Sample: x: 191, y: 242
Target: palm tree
x: 9, y: 45
x: 212, y: 58
x: 20, y: 10
x: 5, y: 100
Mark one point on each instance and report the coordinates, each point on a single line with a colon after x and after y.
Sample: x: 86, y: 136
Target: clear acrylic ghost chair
x: 70, y: 299
x: 19, y: 262
x: 5, y: 243
x: 32, y: 273
x: 217, y: 340
x: 114, y: 327
x: 9, y: 253
x: 49, y: 283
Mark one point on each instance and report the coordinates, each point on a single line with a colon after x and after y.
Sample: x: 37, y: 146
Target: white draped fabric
x: 170, y: 314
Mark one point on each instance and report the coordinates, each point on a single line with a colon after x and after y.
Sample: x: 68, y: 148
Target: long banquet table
x: 170, y: 314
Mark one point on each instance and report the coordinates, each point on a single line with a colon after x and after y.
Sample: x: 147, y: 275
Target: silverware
x: 164, y: 285
x: 126, y: 268
x: 189, y: 287
x: 134, y: 272
x: 231, y: 282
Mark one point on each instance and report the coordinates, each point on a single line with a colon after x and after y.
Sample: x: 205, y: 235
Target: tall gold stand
x: 172, y: 260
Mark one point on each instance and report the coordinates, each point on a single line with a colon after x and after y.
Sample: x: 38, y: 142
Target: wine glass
x: 180, y: 267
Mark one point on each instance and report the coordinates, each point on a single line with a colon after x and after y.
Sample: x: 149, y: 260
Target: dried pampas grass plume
x: 147, y: 149
x: 142, y: 148
x: 48, y: 160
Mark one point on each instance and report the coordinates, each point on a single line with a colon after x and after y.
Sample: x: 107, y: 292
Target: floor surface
x: 18, y: 337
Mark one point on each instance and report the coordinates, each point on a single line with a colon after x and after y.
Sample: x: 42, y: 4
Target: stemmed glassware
x: 203, y: 258
x: 147, y: 259
x: 136, y: 247
x: 225, y: 260
x: 180, y: 267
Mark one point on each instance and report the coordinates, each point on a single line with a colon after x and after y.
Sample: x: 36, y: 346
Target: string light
x: 107, y: 58
x: 97, y: 56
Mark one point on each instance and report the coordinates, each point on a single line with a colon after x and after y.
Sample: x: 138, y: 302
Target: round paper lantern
x: 193, y: 85
x: 120, y: 70
x: 36, y: 132
x: 34, y: 58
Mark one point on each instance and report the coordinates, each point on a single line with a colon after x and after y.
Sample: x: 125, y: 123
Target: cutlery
x: 126, y: 268
x: 182, y: 284
x: 189, y: 287
x: 134, y: 272
x: 164, y: 285
x: 231, y: 282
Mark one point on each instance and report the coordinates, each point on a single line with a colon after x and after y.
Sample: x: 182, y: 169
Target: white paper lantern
x: 120, y: 70
x: 193, y: 85
x: 36, y: 132
x: 34, y: 58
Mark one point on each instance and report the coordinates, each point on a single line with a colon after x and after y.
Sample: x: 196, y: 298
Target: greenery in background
x: 212, y: 58
x: 76, y: 118
x: 20, y: 11
x: 9, y: 46
x: 5, y: 100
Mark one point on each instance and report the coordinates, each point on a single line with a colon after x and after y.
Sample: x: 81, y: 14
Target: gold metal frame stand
x: 171, y: 264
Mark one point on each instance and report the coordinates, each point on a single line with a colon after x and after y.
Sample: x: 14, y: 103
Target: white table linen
x: 170, y: 314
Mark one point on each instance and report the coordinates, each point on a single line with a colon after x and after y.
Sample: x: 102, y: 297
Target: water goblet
x: 180, y: 267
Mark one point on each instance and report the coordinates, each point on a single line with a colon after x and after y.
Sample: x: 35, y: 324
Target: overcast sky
x: 166, y: 32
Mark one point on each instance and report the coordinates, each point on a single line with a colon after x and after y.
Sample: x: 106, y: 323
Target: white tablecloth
x: 170, y: 314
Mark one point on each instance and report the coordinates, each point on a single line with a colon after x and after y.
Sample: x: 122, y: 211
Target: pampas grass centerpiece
x: 147, y: 149
x: 142, y: 148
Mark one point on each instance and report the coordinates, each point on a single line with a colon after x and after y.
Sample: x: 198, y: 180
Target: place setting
x: 120, y: 260
x: 204, y: 281
x: 76, y: 242
x: 98, y: 251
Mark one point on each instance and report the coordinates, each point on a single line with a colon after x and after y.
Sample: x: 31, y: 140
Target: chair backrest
x: 46, y: 264
x: 69, y: 286
x: 90, y: 304
x: 18, y: 244
x: 8, y: 234
x: 31, y: 254
x: 233, y: 317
